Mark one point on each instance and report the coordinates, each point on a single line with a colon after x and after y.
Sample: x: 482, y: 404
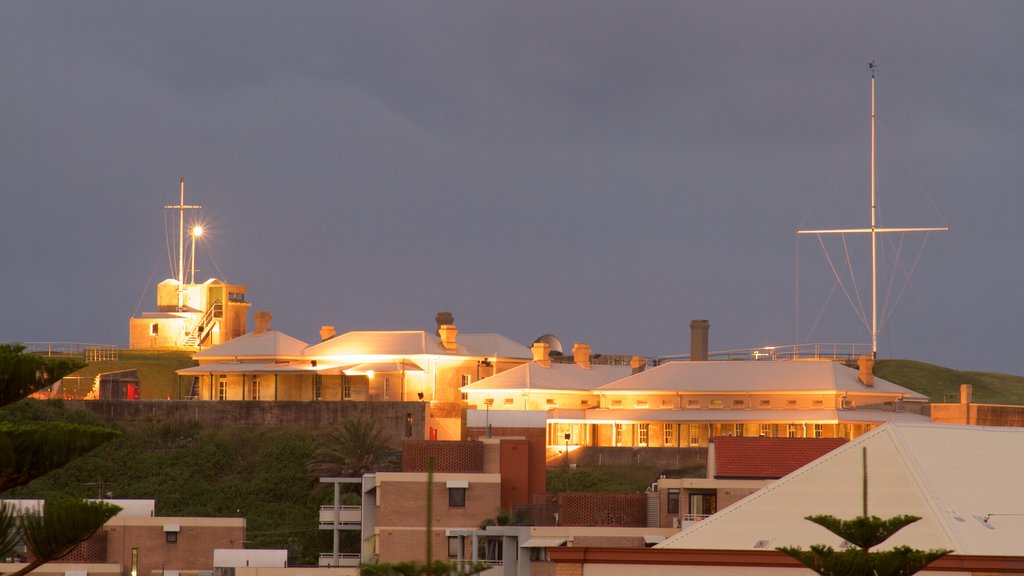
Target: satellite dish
x: 552, y: 341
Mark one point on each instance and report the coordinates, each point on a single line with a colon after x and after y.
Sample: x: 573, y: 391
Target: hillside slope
x: 943, y: 384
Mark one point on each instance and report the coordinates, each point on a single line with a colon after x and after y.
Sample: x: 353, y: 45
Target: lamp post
x: 567, y: 437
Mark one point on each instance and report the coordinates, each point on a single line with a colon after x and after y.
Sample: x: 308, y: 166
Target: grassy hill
x: 942, y: 385
x: 156, y: 372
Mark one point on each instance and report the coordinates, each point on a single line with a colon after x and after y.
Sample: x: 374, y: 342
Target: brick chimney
x: 447, y: 332
x: 581, y: 354
x: 541, y: 353
x: 261, y: 321
x: 699, y: 339
x: 637, y: 363
x: 966, y: 393
x: 867, y: 370
x: 443, y: 318
x: 327, y: 332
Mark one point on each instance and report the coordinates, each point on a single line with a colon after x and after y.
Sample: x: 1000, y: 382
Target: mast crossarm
x: 870, y: 230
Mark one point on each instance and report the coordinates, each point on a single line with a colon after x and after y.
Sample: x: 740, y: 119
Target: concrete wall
x: 269, y: 414
x: 978, y: 414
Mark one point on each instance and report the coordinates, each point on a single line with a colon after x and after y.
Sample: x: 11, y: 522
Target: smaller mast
x: 181, y: 207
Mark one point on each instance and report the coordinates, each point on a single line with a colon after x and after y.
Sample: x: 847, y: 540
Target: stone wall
x: 401, y: 419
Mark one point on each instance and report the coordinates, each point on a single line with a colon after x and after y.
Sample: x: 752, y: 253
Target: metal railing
x: 809, y: 351
x: 90, y: 352
x: 345, y: 559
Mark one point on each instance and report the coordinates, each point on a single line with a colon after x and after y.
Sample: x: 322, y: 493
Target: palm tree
x: 353, y: 448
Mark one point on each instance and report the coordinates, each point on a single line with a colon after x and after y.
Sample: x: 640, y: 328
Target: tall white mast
x: 181, y: 207
x: 874, y: 230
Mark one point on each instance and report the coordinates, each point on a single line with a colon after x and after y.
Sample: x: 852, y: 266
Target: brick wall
x: 192, y: 551
x: 535, y: 438
x: 602, y: 509
x: 450, y: 456
x: 93, y: 550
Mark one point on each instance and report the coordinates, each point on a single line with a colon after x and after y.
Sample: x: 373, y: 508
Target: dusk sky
x: 602, y: 171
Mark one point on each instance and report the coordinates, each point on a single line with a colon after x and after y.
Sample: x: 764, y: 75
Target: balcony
x: 349, y: 517
x: 345, y: 560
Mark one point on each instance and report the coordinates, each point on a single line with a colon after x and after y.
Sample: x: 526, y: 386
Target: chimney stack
x: 447, y: 332
x: 638, y: 363
x: 261, y: 321
x: 966, y: 393
x: 699, y: 339
x: 867, y: 370
x: 326, y: 332
x: 541, y: 353
x: 442, y: 319
x: 581, y: 354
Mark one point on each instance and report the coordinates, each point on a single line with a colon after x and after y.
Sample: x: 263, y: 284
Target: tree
x: 30, y: 450
x: 352, y: 448
x: 863, y: 533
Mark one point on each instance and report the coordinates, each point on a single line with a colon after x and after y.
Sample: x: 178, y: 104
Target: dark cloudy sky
x: 604, y: 171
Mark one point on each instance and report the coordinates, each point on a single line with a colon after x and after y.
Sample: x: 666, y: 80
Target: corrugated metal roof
x: 533, y: 376
x: 963, y: 481
x: 380, y: 342
x: 823, y: 416
x: 732, y: 376
x: 270, y: 344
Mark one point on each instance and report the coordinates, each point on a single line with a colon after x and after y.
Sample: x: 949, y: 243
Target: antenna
x: 181, y: 207
x: 874, y: 230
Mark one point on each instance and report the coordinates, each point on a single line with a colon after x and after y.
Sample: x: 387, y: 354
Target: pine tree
x: 28, y: 451
x: 863, y: 533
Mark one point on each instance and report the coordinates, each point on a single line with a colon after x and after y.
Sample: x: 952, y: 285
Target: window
x: 346, y: 388
x: 456, y: 497
x: 551, y: 402
x: 703, y: 504
x: 790, y: 403
x: 694, y: 434
x: 818, y: 430
x: 791, y: 430
x: 669, y: 435
x: 508, y: 401
x: 693, y: 403
x: 317, y: 386
x: 387, y: 388
x: 254, y: 389
x: 172, y: 537
x: 617, y: 432
x: 408, y: 425
x: 673, y: 501
x: 765, y: 403
x: 641, y: 403
x: 643, y: 433
x: 665, y: 403
x: 739, y: 430
x: 222, y: 387
x: 716, y: 403
x: 738, y: 403
x: 154, y: 329
x: 616, y: 402
x: 453, y: 546
x: 466, y: 380
x: 584, y: 402
x: 766, y: 430
x: 819, y: 403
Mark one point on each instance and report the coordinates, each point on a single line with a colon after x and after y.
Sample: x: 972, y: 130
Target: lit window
x: 716, y: 403
x: 818, y: 430
x: 669, y: 434
x: 641, y: 403
x: 509, y: 401
x: 617, y: 432
x: 766, y: 430
x: 456, y: 497
x: 739, y: 430
x: 643, y: 433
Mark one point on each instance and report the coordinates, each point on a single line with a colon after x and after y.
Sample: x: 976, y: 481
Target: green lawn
x: 942, y: 385
x: 157, y: 378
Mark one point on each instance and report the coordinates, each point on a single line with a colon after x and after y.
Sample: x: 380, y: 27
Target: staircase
x: 193, y: 394
x: 197, y: 334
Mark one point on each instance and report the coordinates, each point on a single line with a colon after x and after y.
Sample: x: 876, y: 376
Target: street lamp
x: 567, y: 437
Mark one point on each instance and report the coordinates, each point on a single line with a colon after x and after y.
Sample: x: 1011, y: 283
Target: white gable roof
x: 493, y: 345
x: 953, y: 477
x: 533, y: 376
x: 270, y: 344
x: 381, y: 342
x: 751, y: 375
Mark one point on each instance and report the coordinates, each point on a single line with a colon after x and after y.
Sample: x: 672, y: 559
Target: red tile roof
x: 767, y: 457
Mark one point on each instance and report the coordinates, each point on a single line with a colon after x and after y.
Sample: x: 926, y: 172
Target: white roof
x: 493, y: 345
x: 270, y: 344
x: 751, y: 375
x: 533, y: 376
x: 381, y: 342
x: 963, y: 481
x: 824, y: 416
